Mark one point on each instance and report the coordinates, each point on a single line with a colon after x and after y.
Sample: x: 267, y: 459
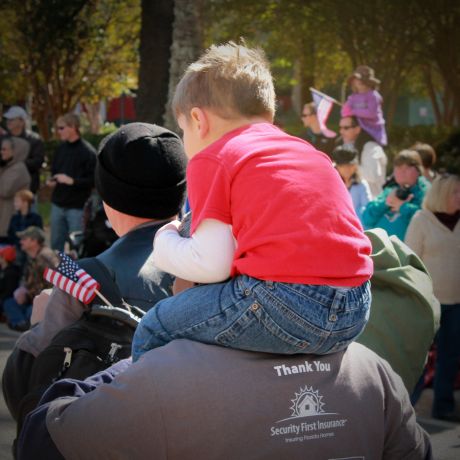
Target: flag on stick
x: 72, y: 279
x: 323, y: 104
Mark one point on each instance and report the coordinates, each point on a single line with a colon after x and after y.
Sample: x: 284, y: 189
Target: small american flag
x: 323, y: 104
x: 72, y: 279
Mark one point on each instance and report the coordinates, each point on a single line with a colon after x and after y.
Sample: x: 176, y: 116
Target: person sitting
x: 346, y: 163
x: 434, y: 235
x: 10, y: 274
x: 393, y: 209
x: 18, y: 308
x: 267, y: 289
x: 23, y: 218
x: 136, y: 158
x: 365, y: 103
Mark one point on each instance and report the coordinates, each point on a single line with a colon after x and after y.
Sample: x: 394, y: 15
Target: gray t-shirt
x: 189, y: 400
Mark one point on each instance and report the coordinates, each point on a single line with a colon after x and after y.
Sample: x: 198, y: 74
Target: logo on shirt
x: 307, y: 403
x: 306, y: 422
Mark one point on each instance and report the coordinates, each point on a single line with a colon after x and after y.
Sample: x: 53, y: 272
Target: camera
x: 403, y: 193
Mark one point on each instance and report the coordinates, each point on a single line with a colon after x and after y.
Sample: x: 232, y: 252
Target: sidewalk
x: 445, y: 437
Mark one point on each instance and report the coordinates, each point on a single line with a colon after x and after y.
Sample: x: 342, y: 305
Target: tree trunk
x: 186, y: 48
x: 155, y: 44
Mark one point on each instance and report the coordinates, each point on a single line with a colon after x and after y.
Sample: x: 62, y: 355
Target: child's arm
x: 205, y: 257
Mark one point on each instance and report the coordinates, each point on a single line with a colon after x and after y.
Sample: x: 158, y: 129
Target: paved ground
x: 445, y: 436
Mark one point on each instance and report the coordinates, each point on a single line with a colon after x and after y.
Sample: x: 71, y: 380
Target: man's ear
x: 200, y: 121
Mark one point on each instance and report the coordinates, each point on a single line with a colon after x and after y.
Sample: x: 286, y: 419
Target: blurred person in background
x: 428, y: 156
x: 18, y: 308
x: 10, y: 274
x: 24, y: 217
x: 72, y: 179
x: 371, y: 157
x: 313, y: 133
x: 13, y: 177
x: 346, y: 163
x: 16, y: 123
x: 394, y: 208
x: 434, y: 235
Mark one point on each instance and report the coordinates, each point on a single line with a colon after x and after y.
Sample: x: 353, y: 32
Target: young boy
x: 270, y: 212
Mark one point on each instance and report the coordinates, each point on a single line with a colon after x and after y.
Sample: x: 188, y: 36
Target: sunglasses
x: 60, y: 128
x: 305, y: 115
x: 346, y: 128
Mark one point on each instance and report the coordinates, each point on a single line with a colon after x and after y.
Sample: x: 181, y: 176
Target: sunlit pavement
x: 445, y: 437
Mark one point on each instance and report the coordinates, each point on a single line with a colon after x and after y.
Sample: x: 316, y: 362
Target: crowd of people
x: 273, y: 270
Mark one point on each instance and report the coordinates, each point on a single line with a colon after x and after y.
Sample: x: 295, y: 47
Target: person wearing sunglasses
x: 72, y: 179
x: 313, y: 133
x: 372, y: 158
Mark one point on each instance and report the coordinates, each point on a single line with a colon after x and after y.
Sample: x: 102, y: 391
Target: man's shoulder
x: 48, y: 255
x: 32, y: 136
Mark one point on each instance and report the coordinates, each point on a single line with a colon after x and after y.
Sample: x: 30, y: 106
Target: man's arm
x: 36, y: 155
x: 109, y: 418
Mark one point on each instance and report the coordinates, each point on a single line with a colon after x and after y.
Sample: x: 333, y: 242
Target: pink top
x: 291, y: 214
x: 367, y: 108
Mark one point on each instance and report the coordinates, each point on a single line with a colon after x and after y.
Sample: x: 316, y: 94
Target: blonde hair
x: 70, y: 119
x: 230, y: 79
x: 437, y: 197
x: 25, y: 195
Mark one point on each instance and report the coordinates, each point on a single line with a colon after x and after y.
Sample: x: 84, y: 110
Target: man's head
x: 346, y: 161
x: 16, y: 118
x: 32, y: 240
x: 140, y: 172
x: 68, y: 127
x: 407, y: 167
x: 231, y: 80
x: 309, y: 115
x: 349, y: 129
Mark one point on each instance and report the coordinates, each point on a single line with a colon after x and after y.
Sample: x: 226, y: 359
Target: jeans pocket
x: 255, y: 330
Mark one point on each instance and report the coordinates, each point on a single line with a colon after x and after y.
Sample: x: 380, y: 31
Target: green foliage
x: 66, y: 52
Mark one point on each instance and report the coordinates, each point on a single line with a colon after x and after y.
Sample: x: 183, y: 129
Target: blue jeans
x: 250, y: 314
x: 447, y: 360
x: 16, y: 313
x: 64, y: 221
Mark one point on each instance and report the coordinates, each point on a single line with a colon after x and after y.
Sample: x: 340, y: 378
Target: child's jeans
x: 251, y: 314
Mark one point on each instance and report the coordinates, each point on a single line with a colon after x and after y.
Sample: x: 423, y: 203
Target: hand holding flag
x: 323, y: 104
x: 72, y: 279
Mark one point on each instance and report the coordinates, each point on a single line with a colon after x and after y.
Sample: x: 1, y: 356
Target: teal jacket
x: 378, y: 215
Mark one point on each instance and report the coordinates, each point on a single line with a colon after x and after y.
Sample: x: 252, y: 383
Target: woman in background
x: 434, y: 235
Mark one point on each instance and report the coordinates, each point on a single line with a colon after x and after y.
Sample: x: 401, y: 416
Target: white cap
x: 16, y: 112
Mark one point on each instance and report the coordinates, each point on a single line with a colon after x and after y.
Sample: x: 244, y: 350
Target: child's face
x: 18, y: 203
x: 191, y: 137
x: 406, y: 175
x: 358, y: 86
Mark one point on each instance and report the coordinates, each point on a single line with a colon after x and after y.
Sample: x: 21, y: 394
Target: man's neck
x: 73, y: 138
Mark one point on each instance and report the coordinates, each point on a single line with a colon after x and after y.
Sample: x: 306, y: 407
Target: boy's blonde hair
x: 441, y: 189
x: 231, y: 80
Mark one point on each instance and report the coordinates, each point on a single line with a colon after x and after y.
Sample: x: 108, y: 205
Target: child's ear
x: 200, y: 121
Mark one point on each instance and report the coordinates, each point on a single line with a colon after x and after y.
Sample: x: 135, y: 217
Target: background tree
x: 155, y: 52
x: 187, y: 45
x: 70, y: 52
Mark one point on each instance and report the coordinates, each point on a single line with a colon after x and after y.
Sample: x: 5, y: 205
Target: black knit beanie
x: 141, y: 171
